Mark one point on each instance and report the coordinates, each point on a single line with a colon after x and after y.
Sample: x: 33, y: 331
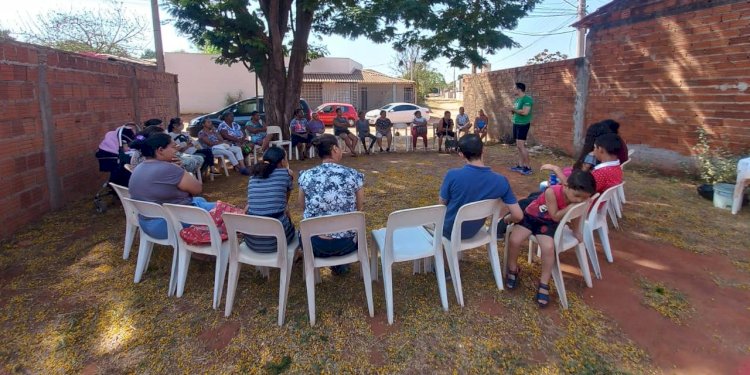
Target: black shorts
x: 443, y: 133
x: 297, y: 139
x: 539, y: 226
x: 338, y: 131
x: 521, y: 131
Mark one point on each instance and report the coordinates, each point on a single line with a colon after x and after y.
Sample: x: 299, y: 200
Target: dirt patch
x: 490, y: 307
x: 90, y: 369
x: 379, y: 325
x: 11, y: 272
x: 219, y: 337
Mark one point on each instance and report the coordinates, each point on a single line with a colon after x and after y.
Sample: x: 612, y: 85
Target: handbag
x: 200, y: 235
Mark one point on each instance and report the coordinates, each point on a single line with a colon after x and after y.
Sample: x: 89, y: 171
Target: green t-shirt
x: 524, y: 101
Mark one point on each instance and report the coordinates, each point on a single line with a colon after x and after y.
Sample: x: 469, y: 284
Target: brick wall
x: 87, y: 97
x: 662, y: 68
x: 551, y: 85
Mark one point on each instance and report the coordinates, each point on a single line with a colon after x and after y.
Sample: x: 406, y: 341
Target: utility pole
x: 581, y: 29
x: 157, y: 36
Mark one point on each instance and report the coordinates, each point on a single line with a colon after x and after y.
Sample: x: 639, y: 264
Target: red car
x: 327, y: 112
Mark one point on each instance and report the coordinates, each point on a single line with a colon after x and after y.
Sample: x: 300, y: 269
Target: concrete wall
x: 204, y: 84
x: 56, y: 107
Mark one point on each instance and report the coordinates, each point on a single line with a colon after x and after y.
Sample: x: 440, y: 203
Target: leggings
x: 415, y: 134
x: 363, y: 136
x: 233, y: 153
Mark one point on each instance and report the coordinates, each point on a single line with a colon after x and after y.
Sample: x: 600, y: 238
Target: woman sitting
x: 480, y: 125
x: 586, y: 159
x: 444, y: 128
x: 210, y: 138
x: 232, y: 133
x: 329, y: 189
x: 186, y: 145
x: 257, y: 131
x: 190, y: 163
x: 267, y: 195
x: 159, y: 180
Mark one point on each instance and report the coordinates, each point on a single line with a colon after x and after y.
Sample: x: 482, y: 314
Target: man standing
x: 521, y: 123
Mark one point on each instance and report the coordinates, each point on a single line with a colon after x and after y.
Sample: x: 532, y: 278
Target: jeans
x: 157, y: 227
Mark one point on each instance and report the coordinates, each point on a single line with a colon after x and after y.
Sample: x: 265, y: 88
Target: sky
x: 547, y: 27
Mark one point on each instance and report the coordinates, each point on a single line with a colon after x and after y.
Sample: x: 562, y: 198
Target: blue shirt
x: 471, y: 184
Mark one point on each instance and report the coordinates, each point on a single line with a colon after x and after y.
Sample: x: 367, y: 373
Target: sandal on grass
x: 512, y: 278
x: 542, y: 299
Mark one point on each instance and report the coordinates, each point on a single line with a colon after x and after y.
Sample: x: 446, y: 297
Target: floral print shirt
x: 234, y: 130
x: 330, y: 189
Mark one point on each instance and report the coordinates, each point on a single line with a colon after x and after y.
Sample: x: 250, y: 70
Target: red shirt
x: 538, y: 208
x: 606, y: 175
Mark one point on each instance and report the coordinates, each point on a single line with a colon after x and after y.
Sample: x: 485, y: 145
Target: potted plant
x: 715, y: 166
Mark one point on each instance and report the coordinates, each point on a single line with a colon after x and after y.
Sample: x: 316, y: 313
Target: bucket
x: 723, y: 194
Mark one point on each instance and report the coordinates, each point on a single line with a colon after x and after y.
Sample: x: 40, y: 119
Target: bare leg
x: 523, y: 153
x: 517, y: 237
x: 548, y: 257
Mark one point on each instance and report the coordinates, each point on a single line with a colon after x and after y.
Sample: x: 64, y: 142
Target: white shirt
x: 462, y: 120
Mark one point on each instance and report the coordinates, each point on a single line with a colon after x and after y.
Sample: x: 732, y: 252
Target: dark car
x: 241, y: 110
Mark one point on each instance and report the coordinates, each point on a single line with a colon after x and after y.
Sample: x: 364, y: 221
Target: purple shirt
x: 316, y: 126
x: 156, y: 181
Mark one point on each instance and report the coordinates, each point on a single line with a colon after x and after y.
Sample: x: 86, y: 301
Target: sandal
x: 542, y: 299
x: 512, y: 283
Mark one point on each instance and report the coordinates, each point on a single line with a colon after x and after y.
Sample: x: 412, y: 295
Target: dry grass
x: 69, y: 303
x: 667, y: 301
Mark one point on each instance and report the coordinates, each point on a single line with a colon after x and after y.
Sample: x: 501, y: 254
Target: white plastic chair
x: 615, y: 209
x: 131, y: 219
x: 403, y: 131
x: 324, y: 225
x: 564, y: 239
x: 404, y: 239
x: 223, y: 163
x: 197, y: 216
x: 597, y: 221
x: 146, y: 246
x: 743, y: 180
x: 280, y: 142
x: 239, y: 252
x: 487, y: 235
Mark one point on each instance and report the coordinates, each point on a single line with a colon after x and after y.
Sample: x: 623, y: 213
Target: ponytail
x: 271, y: 160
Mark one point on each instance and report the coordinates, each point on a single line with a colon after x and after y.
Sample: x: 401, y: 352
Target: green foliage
x: 148, y: 54
x: 230, y: 97
x: 715, y: 164
x: 5, y: 34
x: 545, y: 57
x: 109, y: 30
x: 279, y: 367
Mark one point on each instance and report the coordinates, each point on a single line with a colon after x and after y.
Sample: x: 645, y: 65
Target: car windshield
x: 387, y: 107
x: 320, y: 108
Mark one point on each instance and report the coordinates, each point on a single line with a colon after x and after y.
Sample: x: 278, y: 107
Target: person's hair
x: 521, y: 86
x: 611, y: 143
x: 298, y: 111
x: 415, y: 113
x: 338, y: 110
x: 360, y: 113
x: 447, y: 113
x: 582, y: 181
x: 172, y: 123
x: 225, y: 115
x: 271, y: 159
x: 151, y: 130
x: 470, y: 145
x: 203, y: 123
x: 381, y: 112
x: 153, y: 121
x: 613, y: 125
x: 324, y: 144
x: 592, y: 133
x: 147, y: 144
x: 253, y: 113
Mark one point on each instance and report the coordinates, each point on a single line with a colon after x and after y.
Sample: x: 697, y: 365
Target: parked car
x: 397, y: 112
x: 241, y: 110
x: 327, y: 112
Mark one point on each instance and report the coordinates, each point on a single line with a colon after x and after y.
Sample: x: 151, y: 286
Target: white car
x: 397, y: 112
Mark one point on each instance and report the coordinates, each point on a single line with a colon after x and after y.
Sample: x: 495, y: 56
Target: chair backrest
x: 578, y: 210
x: 275, y: 130
x: 400, y: 125
x: 255, y: 226
x: 190, y: 215
x: 476, y: 211
x: 152, y: 210
x: 414, y: 217
x: 601, y: 204
x: 123, y: 192
x: 630, y: 156
x: 323, y: 225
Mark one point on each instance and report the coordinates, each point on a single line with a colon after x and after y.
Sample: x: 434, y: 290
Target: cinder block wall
x: 82, y: 98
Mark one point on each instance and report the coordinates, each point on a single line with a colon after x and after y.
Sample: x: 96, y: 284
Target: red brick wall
x: 88, y: 97
x: 551, y: 85
x: 662, y: 68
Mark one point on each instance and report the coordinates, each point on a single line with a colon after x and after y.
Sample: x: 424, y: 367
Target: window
x: 404, y: 107
x: 326, y: 109
x: 344, y: 109
x: 245, y: 108
x: 363, y: 98
x: 409, y: 94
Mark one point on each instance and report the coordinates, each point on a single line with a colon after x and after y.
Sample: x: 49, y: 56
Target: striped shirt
x: 268, y: 197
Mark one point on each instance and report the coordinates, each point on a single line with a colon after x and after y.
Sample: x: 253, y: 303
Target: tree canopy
x: 409, y: 64
x: 545, y: 57
x: 271, y: 37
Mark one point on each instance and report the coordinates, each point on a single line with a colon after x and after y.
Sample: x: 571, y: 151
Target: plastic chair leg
x: 604, y: 238
x: 173, y: 274
x: 234, y: 275
x: 144, y: 254
x: 559, y: 284
x: 456, y: 276
x: 183, y: 262
x: 284, y: 279
x: 130, y: 230
x: 388, y: 286
x: 583, y: 264
x: 221, y: 272
x: 310, y: 284
x: 440, y: 274
x: 495, y: 262
x: 588, y: 240
x: 374, y: 264
x: 364, y: 262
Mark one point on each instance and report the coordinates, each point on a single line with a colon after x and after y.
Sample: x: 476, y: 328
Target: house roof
x: 355, y: 76
x: 372, y: 76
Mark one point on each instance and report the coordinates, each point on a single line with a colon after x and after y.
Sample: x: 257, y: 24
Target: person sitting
x: 444, y: 128
x: 232, y: 133
x: 301, y: 136
x: 208, y: 137
x: 268, y: 192
x: 383, y: 127
x: 418, y: 129
x: 463, y: 124
x: 315, y: 126
x: 541, y: 219
x: 481, y: 124
x: 586, y: 159
x: 159, y: 180
x: 257, y: 131
x: 363, y: 131
x: 188, y: 162
x: 474, y: 182
x: 607, y: 172
x: 341, y: 129
x: 114, y: 153
x: 186, y: 146
x: 331, y: 188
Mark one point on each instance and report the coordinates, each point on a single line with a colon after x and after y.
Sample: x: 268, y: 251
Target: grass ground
x: 68, y: 303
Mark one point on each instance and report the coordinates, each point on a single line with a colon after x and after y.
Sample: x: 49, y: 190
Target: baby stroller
x: 112, y: 159
x: 451, y: 143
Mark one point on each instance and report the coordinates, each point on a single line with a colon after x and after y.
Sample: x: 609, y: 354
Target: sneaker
x: 244, y: 172
x: 517, y: 168
x: 526, y: 171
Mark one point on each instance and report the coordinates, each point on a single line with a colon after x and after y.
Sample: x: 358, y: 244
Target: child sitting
x: 363, y: 131
x: 541, y: 219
